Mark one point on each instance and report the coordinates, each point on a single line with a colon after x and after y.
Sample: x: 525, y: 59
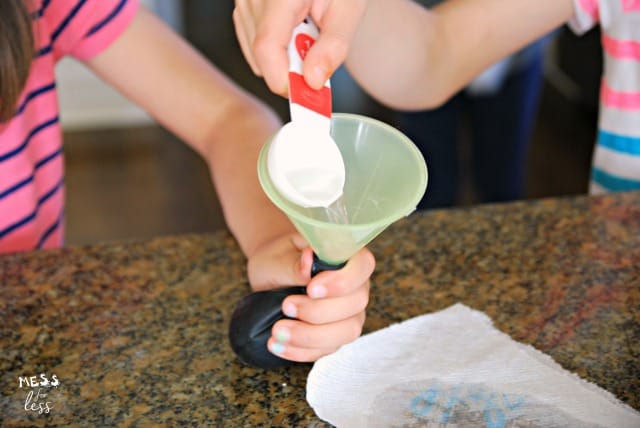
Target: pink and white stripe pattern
x: 31, y: 158
x: 616, y: 159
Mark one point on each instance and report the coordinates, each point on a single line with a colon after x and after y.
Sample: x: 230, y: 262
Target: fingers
x: 338, y: 23
x: 344, y: 281
x: 272, y: 36
x: 296, y: 341
x: 331, y: 315
x: 333, y: 311
x: 264, y: 30
x: 327, y: 310
x: 245, y: 33
x: 282, y: 262
x: 334, y: 295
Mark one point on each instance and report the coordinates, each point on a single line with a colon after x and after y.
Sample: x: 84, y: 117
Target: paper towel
x: 454, y: 369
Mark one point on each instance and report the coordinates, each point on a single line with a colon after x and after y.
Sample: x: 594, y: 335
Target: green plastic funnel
x: 386, y: 177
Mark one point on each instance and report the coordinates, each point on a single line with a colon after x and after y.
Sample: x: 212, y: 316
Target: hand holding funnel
x: 385, y: 178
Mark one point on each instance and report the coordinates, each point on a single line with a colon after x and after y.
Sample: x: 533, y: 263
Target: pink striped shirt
x: 616, y: 158
x: 31, y: 158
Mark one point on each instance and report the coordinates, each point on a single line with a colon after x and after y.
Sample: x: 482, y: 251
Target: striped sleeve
x: 586, y: 17
x: 84, y: 28
x: 113, y: 18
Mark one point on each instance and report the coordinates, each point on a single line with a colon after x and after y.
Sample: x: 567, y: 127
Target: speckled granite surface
x: 136, y: 332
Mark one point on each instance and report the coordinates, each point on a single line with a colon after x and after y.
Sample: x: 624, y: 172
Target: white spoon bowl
x: 306, y: 165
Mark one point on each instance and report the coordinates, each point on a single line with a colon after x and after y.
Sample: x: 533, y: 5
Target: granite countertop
x: 136, y: 333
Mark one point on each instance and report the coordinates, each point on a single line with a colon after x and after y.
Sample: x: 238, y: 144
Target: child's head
x: 16, y: 53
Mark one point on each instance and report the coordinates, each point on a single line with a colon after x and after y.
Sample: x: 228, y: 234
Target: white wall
x: 86, y: 102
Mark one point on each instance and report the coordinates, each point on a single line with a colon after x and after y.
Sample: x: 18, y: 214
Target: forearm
x: 409, y: 57
x: 195, y: 101
x: 227, y: 127
x: 388, y: 54
x: 249, y: 214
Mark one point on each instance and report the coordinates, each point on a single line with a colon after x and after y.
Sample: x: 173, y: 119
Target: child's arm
x: 158, y: 70
x: 409, y: 57
x: 177, y: 86
x: 406, y: 56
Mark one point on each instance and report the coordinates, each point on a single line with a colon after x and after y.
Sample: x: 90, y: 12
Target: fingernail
x: 277, y: 348
x: 289, y: 309
x: 302, y: 267
x: 317, y: 291
x: 318, y: 75
x: 283, y: 335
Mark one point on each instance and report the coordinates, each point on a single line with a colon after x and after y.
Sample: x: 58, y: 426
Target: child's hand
x: 333, y: 311
x: 264, y: 28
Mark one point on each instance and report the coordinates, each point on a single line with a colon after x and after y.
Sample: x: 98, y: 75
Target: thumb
x: 302, y: 266
x: 324, y: 57
x: 281, y: 263
x: 337, y: 25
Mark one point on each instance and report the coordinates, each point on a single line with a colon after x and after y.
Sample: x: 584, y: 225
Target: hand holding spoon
x: 304, y: 162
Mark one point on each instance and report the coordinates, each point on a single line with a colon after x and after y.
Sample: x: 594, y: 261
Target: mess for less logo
x: 37, y: 399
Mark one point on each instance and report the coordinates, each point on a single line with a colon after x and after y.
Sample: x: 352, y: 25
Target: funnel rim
x: 396, y: 215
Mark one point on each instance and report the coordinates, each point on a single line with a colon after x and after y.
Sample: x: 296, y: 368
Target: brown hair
x: 16, y: 53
